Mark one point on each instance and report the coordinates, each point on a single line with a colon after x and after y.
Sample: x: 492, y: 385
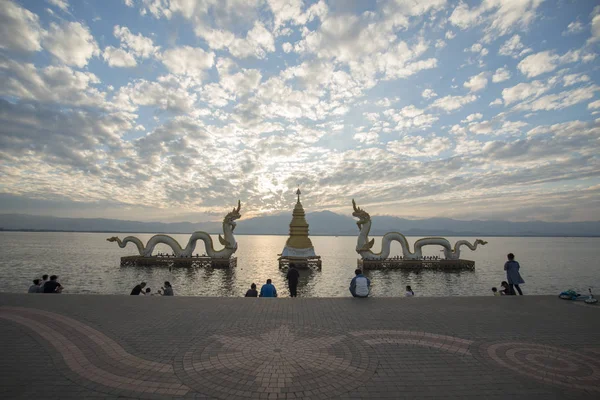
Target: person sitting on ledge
x: 137, y: 289
x: 409, y: 291
x: 52, y: 286
x: 147, y: 292
x: 505, y: 290
x: 252, y: 292
x: 167, y: 290
x: 42, y: 283
x: 268, y: 290
x: 495, y: 291
x: 35, y: 287
x: 360, y: 285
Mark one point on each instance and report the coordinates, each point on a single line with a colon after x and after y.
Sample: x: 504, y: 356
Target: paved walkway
x: 79, y: 346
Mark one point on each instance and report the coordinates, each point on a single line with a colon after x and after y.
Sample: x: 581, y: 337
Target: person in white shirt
x: 409, y: 291
x: 360, y: 285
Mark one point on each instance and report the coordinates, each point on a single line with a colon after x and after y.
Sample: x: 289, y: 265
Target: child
x: 147, y: 293
x: 495, y: 291
x: 505, y: 289
x: 409, y: 291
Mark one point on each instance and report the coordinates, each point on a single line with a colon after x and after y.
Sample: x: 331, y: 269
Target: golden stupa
x: 298, y: 248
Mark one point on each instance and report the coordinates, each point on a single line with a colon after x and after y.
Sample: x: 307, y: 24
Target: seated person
x: 252, y: 292
x: 268, y: 290
x: 360, y: 285
x: 495, y: 291
x: 505, y: 290
x: 52, y: 286
x: 409, y: 291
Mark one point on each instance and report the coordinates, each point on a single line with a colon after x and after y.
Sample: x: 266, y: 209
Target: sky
x: 172, y: 110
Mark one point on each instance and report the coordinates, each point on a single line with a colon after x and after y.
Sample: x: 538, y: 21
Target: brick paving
x: 109, y: 347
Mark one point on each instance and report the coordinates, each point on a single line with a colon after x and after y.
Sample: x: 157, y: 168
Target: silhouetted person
x: 409, y: 291
x: 35, y: 287
x: 42, y: 283
x: 504, y: 289
x: 292, y: 276
x: 52, y: 286
x: 137, y: 289
x: 512, y: 274
x: 360, y: 284
x: 167, y: 290
x: 252, y: 292
x: 268, y: 290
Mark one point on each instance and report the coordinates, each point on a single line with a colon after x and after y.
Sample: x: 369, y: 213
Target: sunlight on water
x: 87, y: 263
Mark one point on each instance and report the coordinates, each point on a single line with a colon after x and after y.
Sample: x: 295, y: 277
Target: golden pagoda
x: 298, y: 248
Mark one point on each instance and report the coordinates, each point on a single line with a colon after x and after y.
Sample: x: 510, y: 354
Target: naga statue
x: 228, y: 241
x: 363, y: 245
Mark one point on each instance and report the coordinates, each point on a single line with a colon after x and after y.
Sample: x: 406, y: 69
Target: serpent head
x: 233, y: 215
x: 362, y: 215
x: 481, y: 242
x: 112, y: 239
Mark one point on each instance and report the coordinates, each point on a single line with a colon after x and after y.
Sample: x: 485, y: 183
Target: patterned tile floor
x: 108, y: 347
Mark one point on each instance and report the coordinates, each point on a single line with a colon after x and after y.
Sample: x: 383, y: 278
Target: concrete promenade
x: 109, y: 347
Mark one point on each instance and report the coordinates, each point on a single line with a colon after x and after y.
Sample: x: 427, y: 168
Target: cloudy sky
x: 171, y: 110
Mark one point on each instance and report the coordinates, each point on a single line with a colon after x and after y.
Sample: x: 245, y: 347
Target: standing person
x: 409, y: 291
x: 35, y: 288
x: 268, y: 290
x: 42, y: 283
x: 512, y: 274
x: 52, y: 286
x: 252, y: 292
x: 167, y: 289
x: 137, y: 289
x: 292, y: 276
x: 360, y: 285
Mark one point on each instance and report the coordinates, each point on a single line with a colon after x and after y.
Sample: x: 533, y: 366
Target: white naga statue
x: 228, y: 241
x: 363, y: 245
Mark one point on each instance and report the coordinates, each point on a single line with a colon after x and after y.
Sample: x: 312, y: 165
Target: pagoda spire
x: 298, y: 243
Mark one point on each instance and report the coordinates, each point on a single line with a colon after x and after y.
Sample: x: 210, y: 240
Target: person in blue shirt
x: 360, y: 285
x: 268, y: 290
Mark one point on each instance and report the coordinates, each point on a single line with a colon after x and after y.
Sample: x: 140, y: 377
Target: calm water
x: 87, y: 263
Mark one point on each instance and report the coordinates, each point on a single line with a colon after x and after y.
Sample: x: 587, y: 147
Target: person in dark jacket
x: 137, y: 289
x: 292, y: 276
x: 52, y: 286
x: 252, y: 292
x: 512, y: 274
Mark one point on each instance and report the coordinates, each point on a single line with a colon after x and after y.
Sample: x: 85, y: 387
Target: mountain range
x: 321, y: 223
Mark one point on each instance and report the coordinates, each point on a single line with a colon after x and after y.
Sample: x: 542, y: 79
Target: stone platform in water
x: 393, y: 263
x: 300, y: 262
x: 194, y: 261
x: 73, y: 347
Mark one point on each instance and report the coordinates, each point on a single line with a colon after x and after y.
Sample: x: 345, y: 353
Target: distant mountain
x: 321, y: 223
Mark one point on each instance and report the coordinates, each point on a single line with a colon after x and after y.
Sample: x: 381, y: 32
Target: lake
x: 87, y: 263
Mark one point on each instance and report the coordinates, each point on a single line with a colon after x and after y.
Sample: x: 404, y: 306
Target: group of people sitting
x: 138, y: 290
x: 46, y: 286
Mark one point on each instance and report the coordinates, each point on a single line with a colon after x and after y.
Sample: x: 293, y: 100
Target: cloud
x: 559, y: 101
x: 514, y: 48
x: 499, y: 17
x: 574, y: 28
x: 477, y: 82
x: 139, y: 45
x: 428, y: 94
x: 410, y: 117
x: 546, y: 61
x: 19, y: 28
x: 186, y: 60
x: 594, y: 104
x: 524, y: 91
x: 595, y: 26
x: 501, y: 75
x: 62, y: 4
x: 419, y: 146
x: 573, y: 79
x: 473, y: 117
x: 118, y: 57
x: 453, y: 103
x: 72, y: 43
